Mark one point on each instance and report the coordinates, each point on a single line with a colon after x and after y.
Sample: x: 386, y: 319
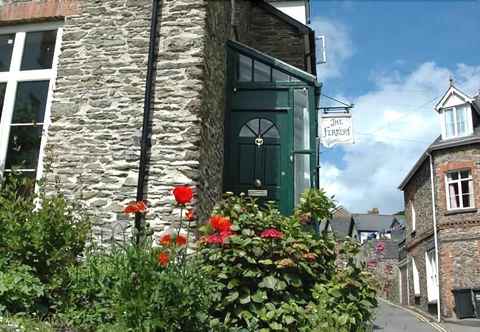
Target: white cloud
x: 393, y: 124
x: 339, y: 46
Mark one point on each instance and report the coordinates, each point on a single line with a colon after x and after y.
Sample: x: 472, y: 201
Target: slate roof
x: 439, y: 144
x: 373, y: 222
x: 341, y: 226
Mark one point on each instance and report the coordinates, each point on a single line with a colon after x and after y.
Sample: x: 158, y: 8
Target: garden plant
x: 246, y: 268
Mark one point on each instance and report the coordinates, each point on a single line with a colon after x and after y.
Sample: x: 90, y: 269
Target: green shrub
x: 20, y: 290
x: 45, y: 233
x: 274, y: 275
x: 128, y: 289
x: 266, y: 283
x: 346, y: 302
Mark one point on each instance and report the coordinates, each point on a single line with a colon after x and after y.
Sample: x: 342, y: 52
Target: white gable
x: 453, y: 97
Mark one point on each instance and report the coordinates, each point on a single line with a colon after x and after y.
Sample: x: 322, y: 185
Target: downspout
x: 435, y: 236
x: 233, y: 20
x: 145, y: 140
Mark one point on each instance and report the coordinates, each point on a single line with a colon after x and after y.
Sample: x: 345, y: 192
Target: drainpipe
x: 145, y: 140
x: 435, y: 236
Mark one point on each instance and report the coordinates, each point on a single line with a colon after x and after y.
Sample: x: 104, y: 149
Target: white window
x: 28, y: 61
x: 457, y: 121
x: 416, y: 278
x: 459, y: 190
x: 413, y: 216
x: 432, y: 276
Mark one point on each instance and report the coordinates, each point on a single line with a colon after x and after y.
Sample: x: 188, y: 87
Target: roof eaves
x: 436, y: 147
x: 273, y: 61
x: 281, y: 15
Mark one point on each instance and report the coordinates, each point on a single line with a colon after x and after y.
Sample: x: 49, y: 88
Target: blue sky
x: 392, y: 59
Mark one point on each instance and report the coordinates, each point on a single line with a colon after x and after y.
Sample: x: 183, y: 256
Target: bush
x: 274, y: 275
x: 267, y: 269
x: 40, y: 236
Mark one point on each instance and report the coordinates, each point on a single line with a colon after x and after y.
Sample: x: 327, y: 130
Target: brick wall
x: 24, y: 11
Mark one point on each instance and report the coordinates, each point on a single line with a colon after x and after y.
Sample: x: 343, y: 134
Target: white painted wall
x: 295, y: 9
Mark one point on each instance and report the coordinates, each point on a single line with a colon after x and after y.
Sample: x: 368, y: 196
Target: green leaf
x: 245, y: 299
x: 268, y: 282
x: 233, y: 283
x: 276, y: 326
x: 260, y: 296
x: 266, y: 261
x: 232, y: 297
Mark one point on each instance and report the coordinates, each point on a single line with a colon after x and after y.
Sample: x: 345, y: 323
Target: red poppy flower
x: 271, y: 233
x: 165, y: 240
x: 220, y: 224
x: 183, y: 194
x: 180, y: 240
x: 190, y: 215
x: 135, y: 207
x: 163, y: 258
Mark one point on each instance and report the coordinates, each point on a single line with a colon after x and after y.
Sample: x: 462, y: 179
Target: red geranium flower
x: 271, y: 233
x: 163, y: 258
x: 180, y: 240
x: 135, y: 207
x: 183, y: 194
x: 309, y: 256
x: 214, y: 239
x: 165, y: 240
x: 190, y: 215
x: 220, y: 224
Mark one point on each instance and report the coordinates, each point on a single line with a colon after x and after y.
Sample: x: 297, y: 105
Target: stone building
x: 121, y: 100
x: 443, y: 224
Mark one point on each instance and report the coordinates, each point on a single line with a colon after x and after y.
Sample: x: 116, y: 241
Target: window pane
x: 464, y: 174
x: 244, y: 68
x: 465, y: 187
x: 246, y: 132
x: 466, y: 201
x: 279, y: 76
x: 23, y: 147
x: 30, y: 102
x: 461, y: 114
x: 6, y: 48
x: 3, y: 86
x: 453, y: 176
x: 301, y: 120
x: 302, y: 175
x: 449, y: 123
x: 453, y: 195
x: 39, y: 49
x: 261, y: 72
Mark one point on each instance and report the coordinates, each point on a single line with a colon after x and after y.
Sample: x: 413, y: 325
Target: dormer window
x: 455, y: 113
x: 457, y: 120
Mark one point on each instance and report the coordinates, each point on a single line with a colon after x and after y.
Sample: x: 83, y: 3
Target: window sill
x: 459, y: 211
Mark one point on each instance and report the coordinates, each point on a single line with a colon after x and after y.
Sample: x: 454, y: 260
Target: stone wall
x: 96, y: 117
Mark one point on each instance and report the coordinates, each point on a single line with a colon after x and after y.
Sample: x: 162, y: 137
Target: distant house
x: 441, y: 194
x: 375, y: 226
x: 343, y: 227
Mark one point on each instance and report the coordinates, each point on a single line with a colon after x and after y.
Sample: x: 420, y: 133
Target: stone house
x: 121, y: 100
x: 375, y: 225
x: 442, y: 194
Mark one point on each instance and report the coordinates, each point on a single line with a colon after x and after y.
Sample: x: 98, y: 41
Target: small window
x: 261, y: 128
x: 413, y: 216
x: 416, y: 278
x: 279, y: 76
x: 261, y: 72
x: 457, y: 121
x: 244, y: 68
x: 459, y: 190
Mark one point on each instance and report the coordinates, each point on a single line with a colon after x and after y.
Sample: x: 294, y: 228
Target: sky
x: 393, y: 61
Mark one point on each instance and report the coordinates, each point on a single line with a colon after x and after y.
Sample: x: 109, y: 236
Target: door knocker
x: 259, y: 141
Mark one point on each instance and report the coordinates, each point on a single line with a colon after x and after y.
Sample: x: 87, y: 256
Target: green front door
x: 258, y: 162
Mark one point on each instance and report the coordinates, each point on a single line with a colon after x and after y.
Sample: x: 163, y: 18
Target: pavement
x: 393, y: 318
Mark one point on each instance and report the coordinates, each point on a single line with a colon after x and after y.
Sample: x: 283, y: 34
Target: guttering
x: 435, y: 236
x: 144, y: 143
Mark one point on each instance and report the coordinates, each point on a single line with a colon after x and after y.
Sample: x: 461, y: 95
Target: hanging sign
x: 336, y: 129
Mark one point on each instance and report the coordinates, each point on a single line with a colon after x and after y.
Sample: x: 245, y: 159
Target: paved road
x: 392, y: 319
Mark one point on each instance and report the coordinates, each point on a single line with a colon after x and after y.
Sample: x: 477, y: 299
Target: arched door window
x: 259, y: 128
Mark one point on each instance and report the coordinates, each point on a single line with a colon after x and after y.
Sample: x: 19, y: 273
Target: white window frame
x: 15, y: 75
x: 413, y: 216
x: 459, y: 180
x: 416, y: 278
x: 469, y: 124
